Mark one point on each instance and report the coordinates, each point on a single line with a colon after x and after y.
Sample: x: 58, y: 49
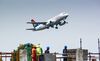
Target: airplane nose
x: 66, y: 15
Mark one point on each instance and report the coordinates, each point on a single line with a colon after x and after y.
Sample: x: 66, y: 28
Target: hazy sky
x: 84, y: 22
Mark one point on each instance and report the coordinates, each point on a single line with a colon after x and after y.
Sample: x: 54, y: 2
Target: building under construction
x: 24, y: 53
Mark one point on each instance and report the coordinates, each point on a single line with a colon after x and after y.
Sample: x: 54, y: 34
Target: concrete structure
x: 49, y: 57
x: 77, y: 54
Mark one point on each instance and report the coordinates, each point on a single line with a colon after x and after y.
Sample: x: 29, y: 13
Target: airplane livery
x: 53, y: 22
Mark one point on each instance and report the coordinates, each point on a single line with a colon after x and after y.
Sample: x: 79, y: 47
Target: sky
x: 83, y: 22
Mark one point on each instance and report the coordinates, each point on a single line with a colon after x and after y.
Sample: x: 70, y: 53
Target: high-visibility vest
x: 33, y: 52
x: 39, y: 51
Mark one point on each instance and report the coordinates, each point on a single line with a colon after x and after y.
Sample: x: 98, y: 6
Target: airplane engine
x: 51, y: 24
x: 62, y: 23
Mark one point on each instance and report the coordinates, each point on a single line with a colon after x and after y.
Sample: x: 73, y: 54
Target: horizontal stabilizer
x: 29, y: 22
x: 30, y: 29
x: 36, y: 23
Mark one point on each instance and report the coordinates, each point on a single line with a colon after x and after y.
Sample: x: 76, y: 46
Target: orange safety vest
x: 33, y: 54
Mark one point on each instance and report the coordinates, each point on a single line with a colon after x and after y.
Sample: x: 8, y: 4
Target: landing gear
x: 47, y: 27
x: 51, y: 24
x: 56, y: 27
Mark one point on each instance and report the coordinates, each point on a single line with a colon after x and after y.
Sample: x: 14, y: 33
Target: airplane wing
x: 33, y: 29
x: 30, y: 29
x: 36, y: 22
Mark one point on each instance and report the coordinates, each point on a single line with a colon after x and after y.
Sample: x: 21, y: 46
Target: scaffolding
x: 5, y: 55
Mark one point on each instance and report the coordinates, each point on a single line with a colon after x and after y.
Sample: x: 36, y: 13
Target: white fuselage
x: 53, y: 21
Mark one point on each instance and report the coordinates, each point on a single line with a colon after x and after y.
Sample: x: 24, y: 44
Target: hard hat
x: 38, y: 45
x: 34, y: 45
x: 65, y: 46
x: 48, y: 47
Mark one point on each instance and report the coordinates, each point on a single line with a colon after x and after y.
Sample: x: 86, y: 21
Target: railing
x: 60, y: 57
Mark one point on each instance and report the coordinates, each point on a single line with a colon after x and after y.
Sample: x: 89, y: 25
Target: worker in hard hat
x: 39, y: 52
x: 34, y: 53
x: 47, y: 50
x: 65, y: 53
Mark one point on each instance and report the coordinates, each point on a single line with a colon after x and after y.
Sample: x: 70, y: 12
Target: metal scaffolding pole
x: 79, y: 52
x: 80, y: 43
x: 99, y: 48
x: 89, y: 56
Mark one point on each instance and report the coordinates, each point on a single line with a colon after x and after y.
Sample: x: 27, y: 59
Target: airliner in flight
x: 53, y: 22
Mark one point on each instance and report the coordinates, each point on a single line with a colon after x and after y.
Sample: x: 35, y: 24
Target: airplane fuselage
x: 57, y: 20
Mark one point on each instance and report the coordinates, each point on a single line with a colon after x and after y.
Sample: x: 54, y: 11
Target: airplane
x: 53, y: 22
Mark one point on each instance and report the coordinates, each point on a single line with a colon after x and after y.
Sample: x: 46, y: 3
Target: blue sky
x: 84, y: 22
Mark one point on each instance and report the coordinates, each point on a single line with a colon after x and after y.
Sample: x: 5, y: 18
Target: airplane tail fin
x: 33, y: 21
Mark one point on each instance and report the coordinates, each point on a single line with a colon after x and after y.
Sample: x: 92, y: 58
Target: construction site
x: 49, y: 30
x: 24, y: 53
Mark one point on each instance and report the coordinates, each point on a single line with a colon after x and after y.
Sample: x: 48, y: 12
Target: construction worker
x: 28, y: 48
x: 34, y: 53
x: 65, y: 53
x: 39, y: 52
x: 14, y: 55
x: 47, y: 50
